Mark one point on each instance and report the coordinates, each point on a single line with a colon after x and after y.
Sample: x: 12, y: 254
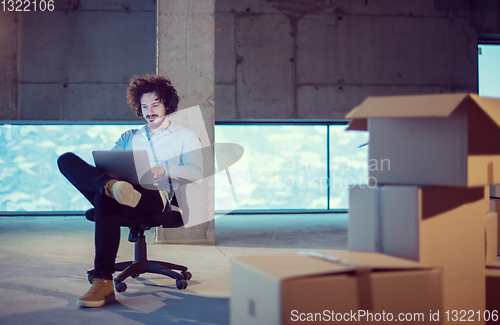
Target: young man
x: 174, y: 153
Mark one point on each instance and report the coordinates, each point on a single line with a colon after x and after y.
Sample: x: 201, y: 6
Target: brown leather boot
x: 101, y: 293
x: 123, y: 192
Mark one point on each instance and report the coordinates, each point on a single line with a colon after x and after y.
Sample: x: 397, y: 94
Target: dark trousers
x: 90, y: 181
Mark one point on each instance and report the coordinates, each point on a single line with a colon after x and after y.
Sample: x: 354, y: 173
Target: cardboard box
x: 284, y: 289
x: 444, y: 139
x: 495, y: 190
x: 492, y: 310
x: 494, y: 193
x: 434, y: 225
x: 491, y: 238
x: 495, y: 207
x: 365, y: 220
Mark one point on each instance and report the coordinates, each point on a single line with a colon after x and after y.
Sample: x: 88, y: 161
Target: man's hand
x: 158, y: 172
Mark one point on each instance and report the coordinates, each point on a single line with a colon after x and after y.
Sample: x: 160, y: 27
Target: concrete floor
x: 44, y: 262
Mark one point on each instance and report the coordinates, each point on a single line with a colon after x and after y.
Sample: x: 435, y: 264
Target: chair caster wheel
x: 186, y: 275
x: 90, y: 275
x: 181, y: 284
x: 120, y: 286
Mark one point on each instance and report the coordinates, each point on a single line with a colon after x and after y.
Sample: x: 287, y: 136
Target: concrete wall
x: 75, y: 63
x: 303, y: 59
x: 8, y: 65
x: 274, y: 58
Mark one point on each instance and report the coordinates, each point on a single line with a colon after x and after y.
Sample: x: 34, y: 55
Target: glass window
x: 29, y: 177
x: 287, y: 166
x: 489, y: 70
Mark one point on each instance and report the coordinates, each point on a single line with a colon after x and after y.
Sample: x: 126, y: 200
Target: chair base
x: 142, y: 265
x: 134, y: 269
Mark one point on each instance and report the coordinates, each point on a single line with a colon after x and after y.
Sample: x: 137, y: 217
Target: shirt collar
x: 171, y: 129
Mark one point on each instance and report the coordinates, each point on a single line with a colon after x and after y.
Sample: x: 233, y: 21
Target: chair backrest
x: 181, y: 200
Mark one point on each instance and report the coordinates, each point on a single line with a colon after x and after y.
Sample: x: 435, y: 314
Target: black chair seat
x: 167, y: 219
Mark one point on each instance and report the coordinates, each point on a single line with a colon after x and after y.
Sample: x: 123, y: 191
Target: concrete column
x: 185, y: 55
x: 8, y: 65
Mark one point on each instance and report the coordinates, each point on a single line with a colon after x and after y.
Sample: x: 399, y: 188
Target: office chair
x: 140, y: 264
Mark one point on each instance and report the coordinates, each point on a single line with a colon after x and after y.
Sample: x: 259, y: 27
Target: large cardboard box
x: 491, y: 240
x: 495, y: 190
x: 492, y: 311
x: 435, y: 225
x: 335, y: 286
x: 445, y: 139
x: 495, y: 207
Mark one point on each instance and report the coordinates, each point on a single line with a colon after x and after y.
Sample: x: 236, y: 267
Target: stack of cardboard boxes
x: 493, y: 262
x: 432, y: 160
x: 421, y: 233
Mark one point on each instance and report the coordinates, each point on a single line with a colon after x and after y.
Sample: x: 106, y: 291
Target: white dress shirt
x: 177, y: 149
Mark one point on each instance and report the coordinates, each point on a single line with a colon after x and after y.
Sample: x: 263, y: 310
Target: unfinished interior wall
x: 74, y: 63
x: 274, y: 58
x: 301, y: 59
x: 8, y: 65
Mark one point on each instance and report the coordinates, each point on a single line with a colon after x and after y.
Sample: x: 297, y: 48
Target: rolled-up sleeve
x: 122, y: 142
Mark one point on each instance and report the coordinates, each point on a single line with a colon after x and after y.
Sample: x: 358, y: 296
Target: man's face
x: 153, y: 110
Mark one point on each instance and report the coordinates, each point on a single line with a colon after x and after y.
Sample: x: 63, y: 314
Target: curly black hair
x: 162, y: 87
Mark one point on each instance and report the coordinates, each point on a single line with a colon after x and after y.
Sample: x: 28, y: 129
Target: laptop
x: 125, y: 165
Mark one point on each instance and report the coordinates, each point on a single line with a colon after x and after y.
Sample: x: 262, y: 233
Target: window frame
x: 278, y: 122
